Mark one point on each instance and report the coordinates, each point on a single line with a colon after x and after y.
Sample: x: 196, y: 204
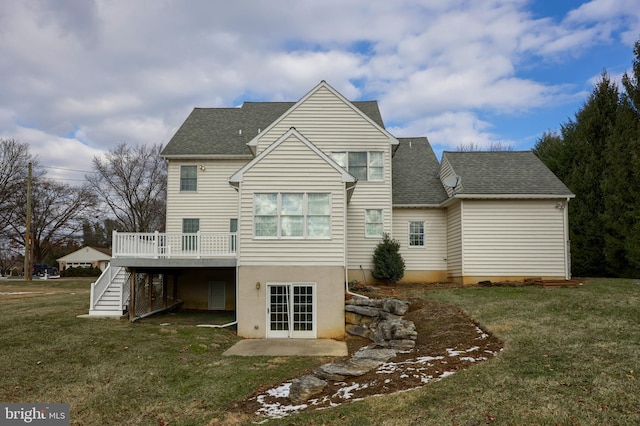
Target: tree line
x: 597, y: 155
x: 125, y: 191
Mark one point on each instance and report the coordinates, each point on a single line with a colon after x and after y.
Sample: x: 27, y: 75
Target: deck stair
x: 110, y: 293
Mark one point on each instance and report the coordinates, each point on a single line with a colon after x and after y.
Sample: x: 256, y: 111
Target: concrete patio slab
x: 288, y: 347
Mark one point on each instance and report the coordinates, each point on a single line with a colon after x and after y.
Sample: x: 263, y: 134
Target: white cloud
x: 98, y: 73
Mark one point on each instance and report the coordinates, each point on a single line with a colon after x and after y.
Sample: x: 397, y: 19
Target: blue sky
x: 81, y: 76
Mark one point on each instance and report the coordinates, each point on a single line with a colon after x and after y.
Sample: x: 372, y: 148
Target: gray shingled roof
x: 504, y: 172
x: 415, y: 174
x: 215, y: 131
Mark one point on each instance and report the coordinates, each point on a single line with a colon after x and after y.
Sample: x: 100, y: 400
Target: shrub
x: 388, y: 264
x: 81, y: 272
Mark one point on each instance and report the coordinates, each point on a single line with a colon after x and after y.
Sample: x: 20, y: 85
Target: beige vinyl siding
x: 330, y: 124
x: 333, y: 126
x: 432, y: 255
x: 513, y: 238
x: 292, y: 167
x: 367, y: 195
x: 214, y: 203
x: 454, y: 240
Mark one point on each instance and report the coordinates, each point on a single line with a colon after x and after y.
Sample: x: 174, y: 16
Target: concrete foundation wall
x: 495, y: 279
x: 410, y: 276
x: 252, y: 309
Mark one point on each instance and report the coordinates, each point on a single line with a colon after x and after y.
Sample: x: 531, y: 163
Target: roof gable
x: 225, y: 132
x: 506, y: 173
x: 371, y: 107
x: 238, y: 176
x: 87, y: 254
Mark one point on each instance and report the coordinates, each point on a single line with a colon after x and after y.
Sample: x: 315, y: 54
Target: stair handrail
x: 100, y: 286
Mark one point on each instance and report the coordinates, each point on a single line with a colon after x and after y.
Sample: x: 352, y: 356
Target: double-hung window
x: 188, y: 178
x: 365, y: 165
x: 292, y: 215
x: 416, y: 234
x: 190, y: 228
x: 266, y: 215
x: 373, y: 224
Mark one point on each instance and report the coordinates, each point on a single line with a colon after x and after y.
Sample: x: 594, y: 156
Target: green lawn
x: 572, y: 356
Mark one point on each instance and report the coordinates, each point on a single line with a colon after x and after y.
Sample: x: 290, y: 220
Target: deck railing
x: 161, y: 245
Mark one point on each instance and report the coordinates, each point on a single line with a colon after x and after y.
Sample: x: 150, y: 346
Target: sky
x: 79, y: 77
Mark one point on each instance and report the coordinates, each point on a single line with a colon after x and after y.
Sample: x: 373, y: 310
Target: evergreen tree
x: 586, y: 140
x: 622, y: 180
x: 388, y: 264
x: 576, y: 157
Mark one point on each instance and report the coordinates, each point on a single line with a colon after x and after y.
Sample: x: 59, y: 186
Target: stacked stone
x: 379, y: 320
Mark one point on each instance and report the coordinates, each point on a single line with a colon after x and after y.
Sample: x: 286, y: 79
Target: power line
x: 67, y: 169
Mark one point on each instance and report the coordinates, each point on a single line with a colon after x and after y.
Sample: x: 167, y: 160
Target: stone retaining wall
x: 379, y: 320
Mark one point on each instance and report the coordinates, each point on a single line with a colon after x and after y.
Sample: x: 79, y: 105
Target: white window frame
x: 381, y: 223
x: 290, y: 332
x: 345, y: 164
x: 410, y: 233
x: 182, y: 187
x: 306, y: 215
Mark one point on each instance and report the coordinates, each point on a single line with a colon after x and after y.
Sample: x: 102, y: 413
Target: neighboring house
x: 85, y: 257
x: 273, y: 206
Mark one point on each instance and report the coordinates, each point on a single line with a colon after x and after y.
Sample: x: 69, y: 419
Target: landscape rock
x: 362, y: 310
x: 383, y: 355
x: 360, y: 330
x: 394, y: 306
x: 305, y: 387
x: 340, y: 370
x: 395, y: 330
x: 389, y: 316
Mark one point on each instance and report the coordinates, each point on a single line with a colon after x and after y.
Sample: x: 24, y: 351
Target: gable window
x: 362, y: 165
x: 373, y: 225
x: 416, y: 234
x: 188, y: 178
x: 292, y: 215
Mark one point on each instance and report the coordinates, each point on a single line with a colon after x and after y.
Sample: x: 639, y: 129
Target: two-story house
x: 273, y: 207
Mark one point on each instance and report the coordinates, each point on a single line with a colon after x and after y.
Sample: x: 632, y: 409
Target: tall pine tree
x: 597, y: 155
x: 621, y: 182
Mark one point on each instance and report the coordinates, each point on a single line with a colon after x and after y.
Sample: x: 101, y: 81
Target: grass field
x: 572, y: 356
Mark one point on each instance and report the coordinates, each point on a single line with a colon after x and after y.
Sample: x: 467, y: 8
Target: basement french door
x: 291, y: 310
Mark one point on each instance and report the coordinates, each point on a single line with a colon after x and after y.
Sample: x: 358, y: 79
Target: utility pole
x: 27, y: 238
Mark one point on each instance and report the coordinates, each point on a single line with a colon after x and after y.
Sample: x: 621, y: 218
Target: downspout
x: 346, y: 265
x: 567, y: 242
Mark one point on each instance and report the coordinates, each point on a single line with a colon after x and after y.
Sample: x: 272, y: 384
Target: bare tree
x: 14, y: 160
x: 58, y: 212
x: 132, y: 182
x: 494, y: 146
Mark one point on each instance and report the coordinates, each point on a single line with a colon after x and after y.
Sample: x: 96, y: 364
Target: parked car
x: 40, y: 269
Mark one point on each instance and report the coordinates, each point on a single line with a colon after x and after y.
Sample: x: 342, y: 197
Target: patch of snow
x: 474, y: 348
x: 482, y: 334
x: 345, y: 393
x: 16, y: 292
x: 281, y: 391
x: 446, y: 374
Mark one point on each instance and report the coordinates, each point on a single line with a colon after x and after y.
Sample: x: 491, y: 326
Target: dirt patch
x: 447, y: 341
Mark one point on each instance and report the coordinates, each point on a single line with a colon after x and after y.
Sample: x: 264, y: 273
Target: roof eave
x: 514, y: 196
x: 208, y: 157
x: 416, y: 206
